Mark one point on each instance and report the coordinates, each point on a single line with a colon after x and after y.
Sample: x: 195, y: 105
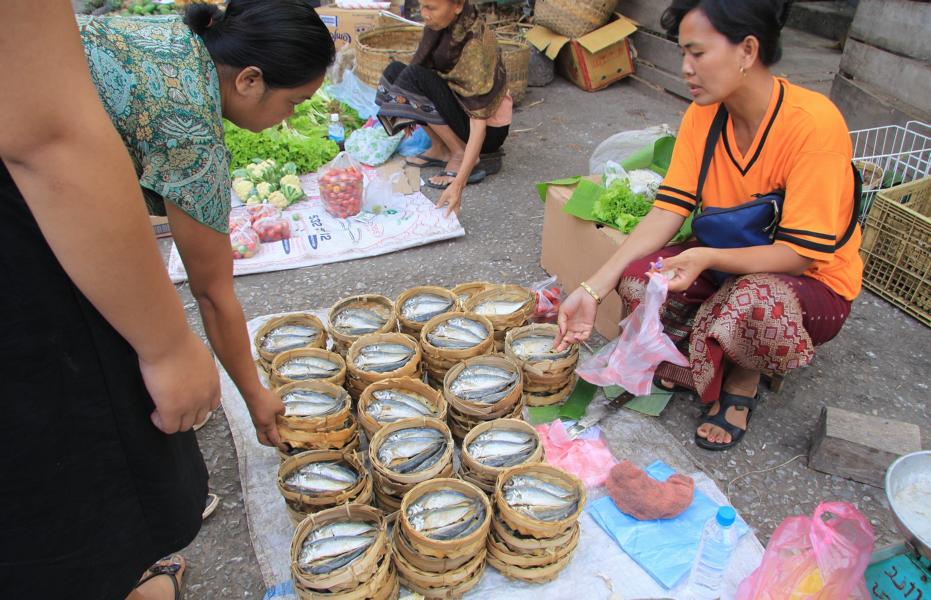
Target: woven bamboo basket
x: 377, y: 48
x: 504, y: 323
x: 425, y: 563
x: 360, y: 570
x: 461, y: 425
x: 501, y: 552
x: 326, y: 423
x: 532, y: 574
x: 413, y: 328
x: 410, y: 478
x: 544, y: 372
x: 416, y: 581
x: 318, y: 502
x: 389, y: 493
x: 529, y: 545
x: 483, y: 412
x: 551, y: 398
x: 466, y: 290
x: 573, y: 18
x: 336, y: 438
x: 297, y: 512
x: 277, y: 380
x: 516, y: 57
x: 440, y: 360
x: 358, y: 379
x: 433, y: 398
x: 455, y: 548
x: 380, y: 304
x: 266, y: 357
x: 523, y: 523
x: 382, y: 586
x: 475, y: 470
x: 350, y: 446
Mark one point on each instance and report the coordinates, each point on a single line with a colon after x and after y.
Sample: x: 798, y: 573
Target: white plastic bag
x: 621, y: 145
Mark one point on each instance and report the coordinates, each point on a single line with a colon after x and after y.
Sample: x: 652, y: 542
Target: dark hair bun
x: 199, y: 17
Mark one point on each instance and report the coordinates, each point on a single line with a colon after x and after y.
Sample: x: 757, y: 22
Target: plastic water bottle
x: 337, y: 132
x: 718, y: 540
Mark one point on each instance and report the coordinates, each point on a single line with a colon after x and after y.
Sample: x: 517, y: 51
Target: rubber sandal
x: 491, y: 162
x: 727, y: 401
x: 212, y: 502
x: 427, y: 162
x: 175, y: 564
x: 476, y: 177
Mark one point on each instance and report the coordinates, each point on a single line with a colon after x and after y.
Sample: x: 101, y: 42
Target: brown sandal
x: 169, y: 566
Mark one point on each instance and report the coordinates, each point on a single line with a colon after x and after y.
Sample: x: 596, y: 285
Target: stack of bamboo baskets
x: 381, y: 305
x: 413, y: 328
x: 527, y: 549
x: 465, y: 415
x: 337, y: 431
x: 465, y: 291
x: 390, y: 487
x: 437, y: 361
x: 440, y: 568
x: 301, y: 504
x: 306, y: 319
x: 408, y: 385
x: 277, y: 379
x: 546, y: 382
x: 506, y: 322
x: 484, y: 476
x: 370, y: 576
x: 359, y: 379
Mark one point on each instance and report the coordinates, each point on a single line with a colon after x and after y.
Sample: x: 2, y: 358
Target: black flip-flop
x: 476, y: 177
x: 427, y: 162
x: 719, y: 419
x: 169, y: 570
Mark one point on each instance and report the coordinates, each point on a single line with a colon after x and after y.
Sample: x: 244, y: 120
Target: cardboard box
x: 160, y: 226
x: 593, y: 61
x: 574, y: 249
x: 345, y: 24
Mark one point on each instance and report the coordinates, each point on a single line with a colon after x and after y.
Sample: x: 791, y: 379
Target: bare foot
x: 160, y: 587
x: 452, y: 166
x: 433, y: 153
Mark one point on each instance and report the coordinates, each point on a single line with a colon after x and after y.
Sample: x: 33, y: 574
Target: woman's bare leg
x: 454, y: 146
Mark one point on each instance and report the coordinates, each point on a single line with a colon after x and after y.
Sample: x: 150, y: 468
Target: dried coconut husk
x: 350, y: 446
x: 359, y: 570
x: 316, y: 502
x: 336, y: 438
x: 419, y: 582
x: 541, y: 558
x: 531, y: 399
x: 533, y: 574
x: 372, y: 589
x: 359, y: 379
x: 380, y: 304
x: 413, y: 328
x: 445, y: 461
x: 465, y: 291
x: 507, y: 293
x: 325, y: 423
x: 489, y: 475
x: 528, y: 545
x: 434, y: 399
x: 290, y: 319
x: 455, y: 548
x: 483, y: 412
x: 524, y: 524
x: 425, y: 563
x: 277, y: 380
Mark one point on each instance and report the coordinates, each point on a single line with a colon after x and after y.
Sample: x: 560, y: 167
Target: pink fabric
x: 631, y: 360
x: 589, y: 459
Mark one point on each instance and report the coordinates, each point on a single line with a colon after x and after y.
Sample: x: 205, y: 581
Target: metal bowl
x: 914, y: 468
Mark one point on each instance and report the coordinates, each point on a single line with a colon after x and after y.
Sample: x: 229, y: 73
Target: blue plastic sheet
x: 664, y: 548
x: 417, y: 143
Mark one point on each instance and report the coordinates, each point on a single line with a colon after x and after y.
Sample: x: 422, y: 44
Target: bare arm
x: 777, y: 258
x: 73, y: 170
x: 209, y: 263
x: 452, y: 195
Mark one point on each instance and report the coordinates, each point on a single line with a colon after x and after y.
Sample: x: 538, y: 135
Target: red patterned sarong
x: 764, y: 322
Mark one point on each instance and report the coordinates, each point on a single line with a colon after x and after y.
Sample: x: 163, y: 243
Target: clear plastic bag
x: 549, y: 298
x: 245, y: 243
x: 240, y: 220
x: 272, y: 229
x: 821, y: 557
x: 341, y: 186
x: 631, y: 360
x: 261, y: 211
x: 378, y: 191
x: 621, y: 145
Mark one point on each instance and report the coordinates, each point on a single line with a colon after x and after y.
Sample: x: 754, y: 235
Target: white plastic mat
x: 596, y: 561
x: 318, y: 238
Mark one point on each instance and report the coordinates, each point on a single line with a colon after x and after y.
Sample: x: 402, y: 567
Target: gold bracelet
x: 591, y: 292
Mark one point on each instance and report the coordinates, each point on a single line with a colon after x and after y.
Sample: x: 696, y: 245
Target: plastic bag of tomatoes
x: 261, y: 211
x: 244, y: 243
x: 549, y: 297
x: 341, y: 186
x: 272, y: 229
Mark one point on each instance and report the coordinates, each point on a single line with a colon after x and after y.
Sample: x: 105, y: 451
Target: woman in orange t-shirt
x: 782, y: 299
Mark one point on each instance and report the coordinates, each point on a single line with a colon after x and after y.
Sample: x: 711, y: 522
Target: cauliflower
x: 278, y: 200
x: 255, y: 170
x: 264, y: 190
x: 292, y: 193
x: 243, y: 188
x: 253, y: 200
x: 292, y: 180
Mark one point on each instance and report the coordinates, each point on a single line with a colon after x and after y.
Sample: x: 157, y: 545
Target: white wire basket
x: 891, y: 155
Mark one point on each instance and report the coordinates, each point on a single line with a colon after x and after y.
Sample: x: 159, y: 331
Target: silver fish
x: 438, y: 518
x: 539, y: 499
x: 455, y: 334
x: 328, y: 554
x: 358, y: 321
x: 383, y: 358
x: 478, y: 382
x: 283, y: 343
x: 496, y: 453
x: 536, y: 348
x: 389, y: 411
x: 412, y: 452
x: 435, y: 500
x: 423, y: 307
x: 341, y: 528
x: 308, y: 403
x: 461, y: 528
x: 321, y: 477
x: 504, y: 435
x: 305, y: 368
x: 415, y: 401
x: 499, y: 308
x: 531, y: 481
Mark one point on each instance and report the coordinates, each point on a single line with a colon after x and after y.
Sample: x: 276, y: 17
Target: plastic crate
x: 896, y: 247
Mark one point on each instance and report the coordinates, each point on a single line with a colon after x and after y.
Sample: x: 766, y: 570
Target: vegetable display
x: 265, y: 182
x: 341, y: 187
x: 621, y: 207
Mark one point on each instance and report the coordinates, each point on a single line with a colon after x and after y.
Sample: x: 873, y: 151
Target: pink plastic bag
x: 549, y: 297
x: 822, y: 557
x: 588, y: 458
x: 631, y: 360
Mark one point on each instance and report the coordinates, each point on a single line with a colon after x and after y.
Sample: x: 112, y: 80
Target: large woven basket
x: 516, y: 56
x: 573, y: 18
x: 377, y: 48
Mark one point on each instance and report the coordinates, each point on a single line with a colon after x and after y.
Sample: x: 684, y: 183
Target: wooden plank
x: 646, y: 13
x: 658, y: 51
x: 667, y: 81
x: 864, y: 107
x: 860, y: 447
x: 906, y: 79
x: 899, y: 26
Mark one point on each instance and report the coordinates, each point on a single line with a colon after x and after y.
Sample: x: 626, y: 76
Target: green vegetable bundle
x: 264, y: 181
x: 620, y: 207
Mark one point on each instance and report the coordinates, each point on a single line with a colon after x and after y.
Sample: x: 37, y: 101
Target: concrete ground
x: 878, y: 365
